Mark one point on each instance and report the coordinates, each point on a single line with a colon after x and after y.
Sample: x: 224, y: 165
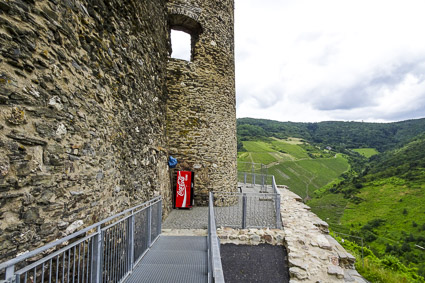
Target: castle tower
x: 201, y: 115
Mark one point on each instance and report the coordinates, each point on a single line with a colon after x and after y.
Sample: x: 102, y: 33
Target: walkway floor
x: 194, y: 218
x: 178, y: 259
x: 197, y: 217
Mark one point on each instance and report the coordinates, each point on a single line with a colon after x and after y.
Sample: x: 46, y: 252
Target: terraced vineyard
x: 295, y: 163
x: 306, y: 176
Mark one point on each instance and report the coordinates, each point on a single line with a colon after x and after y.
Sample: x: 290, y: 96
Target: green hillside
x: 297, y: 164
x: 385, y: 205
x: 365, y: 179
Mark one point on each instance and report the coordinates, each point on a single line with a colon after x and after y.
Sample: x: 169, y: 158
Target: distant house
x: 329, y: 148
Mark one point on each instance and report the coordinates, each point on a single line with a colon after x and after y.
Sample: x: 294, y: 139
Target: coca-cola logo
x: 182, y: 186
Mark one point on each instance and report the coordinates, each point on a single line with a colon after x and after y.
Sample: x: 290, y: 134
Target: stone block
x: 74, y: 226
x: 298, y: 273
x: 336, y: 270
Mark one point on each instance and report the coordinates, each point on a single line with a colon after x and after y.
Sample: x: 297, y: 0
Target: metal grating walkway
x: 173, y: 259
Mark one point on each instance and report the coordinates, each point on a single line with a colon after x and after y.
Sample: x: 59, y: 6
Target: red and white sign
x: 183, y: 189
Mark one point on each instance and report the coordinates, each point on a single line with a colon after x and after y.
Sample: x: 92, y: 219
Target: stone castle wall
x: 201, y: 115
x: 86, y: 120
x: 82, y: 114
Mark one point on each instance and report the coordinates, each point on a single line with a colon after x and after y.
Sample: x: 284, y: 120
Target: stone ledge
x: 250, y: 236
x: 313, y: 255
x: 184, y: 232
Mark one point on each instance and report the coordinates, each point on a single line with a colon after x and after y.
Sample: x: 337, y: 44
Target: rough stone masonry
x: 92, y: 105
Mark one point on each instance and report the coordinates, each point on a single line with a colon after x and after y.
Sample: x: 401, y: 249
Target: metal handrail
x: 247, y: 210
x: 215, y: 269
x: 118, y: 240
x: 255, y: 179
x: 264, y: 183
x: 67, y: 238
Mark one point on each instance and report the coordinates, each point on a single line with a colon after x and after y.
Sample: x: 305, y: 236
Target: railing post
x: 210, y: 203
x: 244, y: 211
x: 131, y: 240
x: 253, y: 179
x: 244, y: 178
x: 10, y: 271
x: 96, y: 260
x: 149, y: 225
x: 210, y: 196
x: 159, y: 217
x: 278, y: 220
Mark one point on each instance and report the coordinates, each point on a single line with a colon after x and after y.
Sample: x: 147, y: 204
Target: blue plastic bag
x: 172, y: 162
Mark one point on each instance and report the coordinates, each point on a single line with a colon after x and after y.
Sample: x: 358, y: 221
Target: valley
x: 364, y: 187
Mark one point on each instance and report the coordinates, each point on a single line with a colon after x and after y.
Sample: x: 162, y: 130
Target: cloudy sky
x: 309, y: 60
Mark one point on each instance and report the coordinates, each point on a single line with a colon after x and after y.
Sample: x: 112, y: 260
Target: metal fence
x: 104, y: 252
x: 215, y: 269
x: 247, y: 210
x: 254, y: 179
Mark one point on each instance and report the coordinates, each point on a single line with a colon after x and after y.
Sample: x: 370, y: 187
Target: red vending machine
x: 183, y: 195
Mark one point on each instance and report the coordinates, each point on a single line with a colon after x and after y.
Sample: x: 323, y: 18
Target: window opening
x: 181, y: 45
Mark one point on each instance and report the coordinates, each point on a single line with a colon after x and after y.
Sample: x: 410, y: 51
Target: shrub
x: 388, y: 269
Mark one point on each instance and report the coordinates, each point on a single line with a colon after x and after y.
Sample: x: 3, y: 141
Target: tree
x: 240, y: 146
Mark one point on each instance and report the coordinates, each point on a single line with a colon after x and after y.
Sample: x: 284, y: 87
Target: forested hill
x: 382, y: 136
x: 406, y: 162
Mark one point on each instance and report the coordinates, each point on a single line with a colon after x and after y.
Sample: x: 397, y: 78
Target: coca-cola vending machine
x: 183, y: 195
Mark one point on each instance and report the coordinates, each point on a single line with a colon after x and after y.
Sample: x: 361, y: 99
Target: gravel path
x: 262, y: 263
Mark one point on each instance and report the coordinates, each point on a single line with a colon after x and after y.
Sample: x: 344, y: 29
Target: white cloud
x: 306, y: 60
x: 180, y: 45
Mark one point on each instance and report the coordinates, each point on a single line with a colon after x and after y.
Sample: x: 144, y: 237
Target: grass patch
x: 244, y: 157
x: 293, y: 140
x: 295, y: 150
x: 263, y: 157
x: 366, y: 152
x: 257, y: 146
x: 329, y: 207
